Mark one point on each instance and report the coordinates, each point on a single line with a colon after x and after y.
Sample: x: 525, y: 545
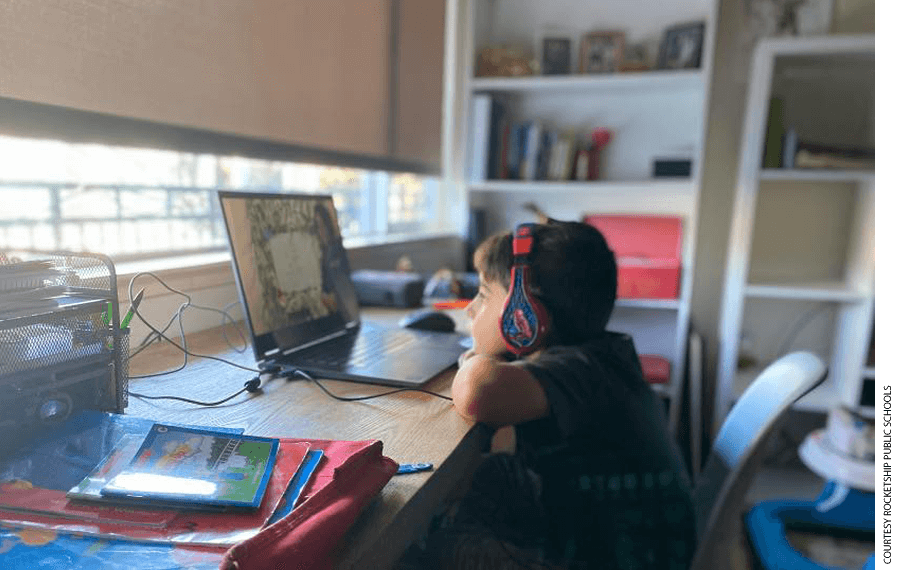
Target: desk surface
x: 414, y: 427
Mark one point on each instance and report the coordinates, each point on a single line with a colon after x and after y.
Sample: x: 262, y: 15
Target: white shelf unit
x: 801, y: 258
x: 652, y: 114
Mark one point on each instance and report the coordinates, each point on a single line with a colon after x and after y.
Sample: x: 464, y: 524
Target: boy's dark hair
x: 573, y: 273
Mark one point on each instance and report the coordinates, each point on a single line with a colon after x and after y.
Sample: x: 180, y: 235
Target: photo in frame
x: 556, y: 55
x: 601, y: 52
x: 682, y: 46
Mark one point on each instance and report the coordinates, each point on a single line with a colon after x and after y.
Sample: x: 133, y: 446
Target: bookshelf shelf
x: 664, y: 304
x: 608, y: 186
x: 815, y: 175
x: 657, y: 196
x: 625, y: 81
x: 821, y: 291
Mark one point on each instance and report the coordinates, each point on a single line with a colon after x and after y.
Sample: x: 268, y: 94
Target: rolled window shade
x: 286, y: 80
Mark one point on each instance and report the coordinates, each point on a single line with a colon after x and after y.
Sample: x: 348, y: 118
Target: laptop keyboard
x: 366, y: 351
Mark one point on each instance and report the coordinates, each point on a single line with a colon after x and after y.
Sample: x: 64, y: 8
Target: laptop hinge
x: 332, y: 336
x: 269, y: 365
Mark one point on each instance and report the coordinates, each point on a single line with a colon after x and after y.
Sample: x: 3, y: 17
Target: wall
x: 726, y: 115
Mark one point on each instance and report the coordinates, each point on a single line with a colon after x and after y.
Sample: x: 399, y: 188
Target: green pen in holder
x: 130, y: 314
x: 106, y: 315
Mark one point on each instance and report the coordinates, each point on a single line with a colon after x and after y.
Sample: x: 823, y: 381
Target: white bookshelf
x: 652, y: 114
x: 802, y: 240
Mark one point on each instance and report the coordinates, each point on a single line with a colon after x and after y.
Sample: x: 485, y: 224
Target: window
x: 133, y: 203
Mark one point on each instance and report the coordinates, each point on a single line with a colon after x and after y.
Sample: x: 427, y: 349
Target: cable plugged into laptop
x: 272, y: 369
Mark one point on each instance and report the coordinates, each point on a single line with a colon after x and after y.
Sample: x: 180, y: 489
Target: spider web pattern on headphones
x: 520, y: 322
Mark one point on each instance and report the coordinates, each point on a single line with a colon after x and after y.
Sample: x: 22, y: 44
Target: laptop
x: 298, y: 299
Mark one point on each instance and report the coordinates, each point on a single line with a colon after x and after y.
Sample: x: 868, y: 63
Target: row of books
x: 503, y: 149
x: 785, y: 149
x: 801, y: 154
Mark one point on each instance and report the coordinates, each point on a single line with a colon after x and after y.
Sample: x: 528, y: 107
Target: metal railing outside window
x: 131, y: 210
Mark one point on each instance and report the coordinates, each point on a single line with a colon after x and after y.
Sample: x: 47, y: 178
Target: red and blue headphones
x: 524, y: 323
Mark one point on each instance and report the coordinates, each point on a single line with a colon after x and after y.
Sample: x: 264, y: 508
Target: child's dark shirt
x: 612, y: 486
x: 597, y: 484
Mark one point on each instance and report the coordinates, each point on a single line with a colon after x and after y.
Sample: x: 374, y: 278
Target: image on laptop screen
x: 291, y: 267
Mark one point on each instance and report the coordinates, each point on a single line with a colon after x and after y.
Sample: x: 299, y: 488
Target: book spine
x: 496, y: 125
x: 790, y: 148
x: 529, y: 164
x: 503, y: 165
x: 773, y: 153
x: 540, y: 169
x: 479, y: 138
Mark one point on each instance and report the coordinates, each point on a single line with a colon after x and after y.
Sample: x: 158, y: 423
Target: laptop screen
x: 291, y: 268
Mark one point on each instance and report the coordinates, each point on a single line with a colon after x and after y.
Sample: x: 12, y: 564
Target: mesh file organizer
x: 61, y: 348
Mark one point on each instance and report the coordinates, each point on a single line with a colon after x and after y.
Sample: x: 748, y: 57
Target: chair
x: 735, y: 457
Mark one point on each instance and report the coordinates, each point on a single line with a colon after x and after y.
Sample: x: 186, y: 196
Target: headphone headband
x: 522, y: 240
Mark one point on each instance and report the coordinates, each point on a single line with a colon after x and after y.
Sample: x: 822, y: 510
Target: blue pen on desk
x: 131, y: 309
x: 406, y: 468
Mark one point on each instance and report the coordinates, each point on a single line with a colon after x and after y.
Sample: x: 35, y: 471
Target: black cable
x: 251, y: 386
x: 303, y: 374
x: 162, y: 335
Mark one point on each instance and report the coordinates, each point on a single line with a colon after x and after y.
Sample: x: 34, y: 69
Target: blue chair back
x: 734, y: 458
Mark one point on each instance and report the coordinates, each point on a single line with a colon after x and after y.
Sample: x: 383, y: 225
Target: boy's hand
x: 490, y: 390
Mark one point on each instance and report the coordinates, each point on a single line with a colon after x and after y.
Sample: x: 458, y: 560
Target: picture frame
x: 635, y: 58
x: 556, y: 55
x: 682, y: 46
x: 601, y: 51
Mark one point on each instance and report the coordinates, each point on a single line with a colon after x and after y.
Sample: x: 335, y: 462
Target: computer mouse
x: 429, y: 320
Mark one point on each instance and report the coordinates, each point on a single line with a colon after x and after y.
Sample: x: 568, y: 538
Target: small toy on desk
x: 429, y: 320
x: 445, y: 284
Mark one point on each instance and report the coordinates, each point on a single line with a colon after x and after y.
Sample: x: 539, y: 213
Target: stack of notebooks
x: 166, y: 483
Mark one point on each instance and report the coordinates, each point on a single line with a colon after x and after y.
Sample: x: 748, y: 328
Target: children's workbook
x: 178, y: 465
x: 90, y: 487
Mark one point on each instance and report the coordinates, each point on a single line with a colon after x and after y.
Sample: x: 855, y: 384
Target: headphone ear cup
x: 524, y: 323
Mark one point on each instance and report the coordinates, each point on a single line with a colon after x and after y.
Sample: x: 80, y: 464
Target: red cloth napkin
x: 350, y: 475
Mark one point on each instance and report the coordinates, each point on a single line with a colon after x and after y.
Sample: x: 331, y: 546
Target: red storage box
x: 656, y: 369
x: 648, y: 253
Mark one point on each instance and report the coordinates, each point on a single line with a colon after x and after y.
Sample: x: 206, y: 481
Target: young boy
x: 595, y: 481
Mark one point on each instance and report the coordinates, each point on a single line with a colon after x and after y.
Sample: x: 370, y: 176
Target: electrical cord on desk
x: 302, y: 374
x: 250, y: 386
x: 179, y: 314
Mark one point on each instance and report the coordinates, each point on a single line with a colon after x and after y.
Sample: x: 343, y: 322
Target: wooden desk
x: 414, y: 427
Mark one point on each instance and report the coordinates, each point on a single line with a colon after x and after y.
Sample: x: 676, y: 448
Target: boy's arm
x: 497, y: 393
